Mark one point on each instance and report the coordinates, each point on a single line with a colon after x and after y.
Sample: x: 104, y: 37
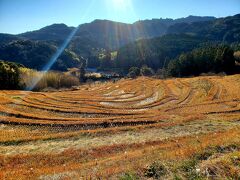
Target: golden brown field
x: 109, y: 129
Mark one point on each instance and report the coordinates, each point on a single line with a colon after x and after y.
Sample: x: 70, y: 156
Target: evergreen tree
x: 147, y: 71
x: 9, y: 75
x: 82, y: 71
x: 206, y: 59
x: 106, y: 62
x: 134, y: 72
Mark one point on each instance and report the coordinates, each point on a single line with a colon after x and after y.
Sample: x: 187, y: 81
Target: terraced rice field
x: 104, y: 130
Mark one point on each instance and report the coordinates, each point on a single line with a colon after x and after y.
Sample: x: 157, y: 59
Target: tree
x: 93, y: 61
x: 132, y: 75
x: 9, y: 75
x: 202, y: 60
x: 82, y: 71
x: 237, y: 56
x: 134, y: 72
x: 146, y: 71
x: 228, y: 59
x: 106, y: 62
x: 161, y: 73
x: 157, y: 52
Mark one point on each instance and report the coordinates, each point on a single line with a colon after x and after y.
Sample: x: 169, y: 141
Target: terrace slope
x: 103, y: 130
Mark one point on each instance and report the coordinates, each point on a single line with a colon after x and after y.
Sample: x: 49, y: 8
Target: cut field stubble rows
x: 105, y: 129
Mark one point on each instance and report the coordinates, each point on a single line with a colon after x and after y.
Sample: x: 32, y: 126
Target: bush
x: 189, y: 168
x: 155, y: 170
x: 129, y: 176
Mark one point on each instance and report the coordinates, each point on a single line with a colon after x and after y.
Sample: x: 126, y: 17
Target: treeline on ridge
x: 209, y: 58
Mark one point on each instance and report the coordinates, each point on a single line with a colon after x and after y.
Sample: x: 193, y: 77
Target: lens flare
x: 54, y: 58
x: 60, y: 50
x: 121, y: 4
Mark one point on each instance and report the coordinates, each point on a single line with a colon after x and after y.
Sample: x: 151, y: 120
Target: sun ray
x: 59, y: 51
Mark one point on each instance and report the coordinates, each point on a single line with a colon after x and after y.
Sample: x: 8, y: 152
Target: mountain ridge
x: 158, y: 19
x: 97, y: 39
x: 136, y: 30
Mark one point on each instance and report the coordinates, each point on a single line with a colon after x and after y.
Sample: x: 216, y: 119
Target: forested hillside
x: 150, y: 42
x: 155, y: 52
x: 109, y: 34
x: 36, y: 55
x: 222, y: 29
x: 158, y: 52
x: 218, y: 58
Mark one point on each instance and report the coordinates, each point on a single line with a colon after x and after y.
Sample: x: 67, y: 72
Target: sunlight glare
x: 121, y: 4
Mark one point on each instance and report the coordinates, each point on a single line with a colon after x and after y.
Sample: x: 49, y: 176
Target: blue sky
x: 17, y: 16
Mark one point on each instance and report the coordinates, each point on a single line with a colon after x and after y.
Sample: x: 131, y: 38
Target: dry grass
x: 46, y: 79
x: 104, y: 130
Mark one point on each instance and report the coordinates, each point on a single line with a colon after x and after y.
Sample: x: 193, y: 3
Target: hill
x: 180, y: 38
x: 156, y: 52
x: 54, y: 32
x: 36, y: 55
x: 222, y: 29
x: 160, y: 39
x: 143, y: 128
x: 6, y: 38
x: 110, y: 34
